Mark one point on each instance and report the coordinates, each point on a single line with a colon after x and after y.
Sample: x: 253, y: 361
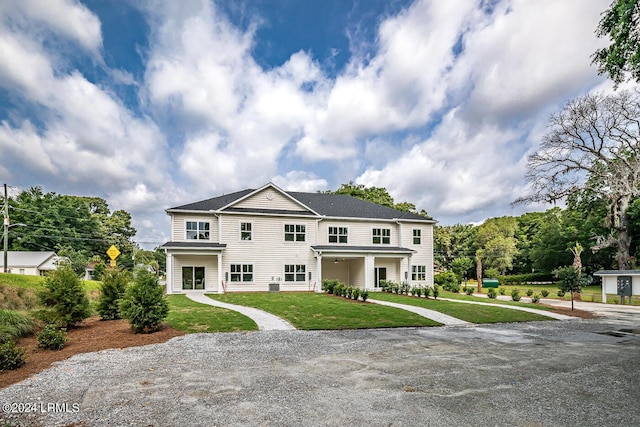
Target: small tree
x: 571, y: 280
x: 144, y: 304
x: 64, y: 298
x: 114, y: 284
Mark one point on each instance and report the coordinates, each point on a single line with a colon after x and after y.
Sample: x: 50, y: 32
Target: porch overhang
x: 378, y: 250
x: 193, y: 246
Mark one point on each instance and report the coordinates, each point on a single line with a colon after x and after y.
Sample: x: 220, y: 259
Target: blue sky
x: 152, y: 104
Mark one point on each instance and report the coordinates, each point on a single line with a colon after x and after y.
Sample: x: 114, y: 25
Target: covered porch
x: 194, y: 266
x: 363, y: 267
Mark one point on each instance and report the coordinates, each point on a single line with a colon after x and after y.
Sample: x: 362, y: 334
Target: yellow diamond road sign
x: 113, y: 252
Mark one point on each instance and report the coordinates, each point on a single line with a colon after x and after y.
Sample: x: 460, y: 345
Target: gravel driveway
x: 564, y: 373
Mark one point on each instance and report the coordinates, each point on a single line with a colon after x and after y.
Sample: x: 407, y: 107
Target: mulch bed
x: 92, y: 334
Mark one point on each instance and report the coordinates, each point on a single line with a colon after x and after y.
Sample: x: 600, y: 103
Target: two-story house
x: 270, y: 239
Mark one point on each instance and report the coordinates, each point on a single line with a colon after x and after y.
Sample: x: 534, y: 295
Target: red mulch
x: 92, y: 334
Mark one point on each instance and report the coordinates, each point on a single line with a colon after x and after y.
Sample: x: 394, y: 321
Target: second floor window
x: 197, y: 230
x: 381, y: 236
x: 417, y: 236
x: 246, y: 231
x: 337, y: 234
x: 242, y: 272
x: 294, y: 232
x: 294, y: 273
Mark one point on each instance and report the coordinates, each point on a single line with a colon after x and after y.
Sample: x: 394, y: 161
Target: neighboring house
x: 29, y: 263
x: 270, y: 239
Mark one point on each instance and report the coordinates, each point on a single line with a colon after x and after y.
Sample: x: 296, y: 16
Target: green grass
x: 313, y: 311
x: 469, y: 312
x: 451, y: 295
x: 190, y: 316
x: 21, y: 280
x: 14, y: 324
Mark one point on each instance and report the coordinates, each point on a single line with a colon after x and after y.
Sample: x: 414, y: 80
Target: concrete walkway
x: 515, y: 307
x: 424, y: 312
x: 265, y: 321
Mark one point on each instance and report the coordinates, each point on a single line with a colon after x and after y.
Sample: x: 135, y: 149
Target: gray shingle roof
x: 26, y: 258
x: 330, y: 205
x: 194, y: 245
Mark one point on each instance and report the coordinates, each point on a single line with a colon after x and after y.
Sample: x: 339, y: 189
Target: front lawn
x: 190, y: 316
x: 306, y: 310
x: 469, y: 312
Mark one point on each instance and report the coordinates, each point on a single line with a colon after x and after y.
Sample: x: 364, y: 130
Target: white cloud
x: 300, y: 181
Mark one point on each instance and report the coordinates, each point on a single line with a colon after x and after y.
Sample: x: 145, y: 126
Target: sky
x: 152, y: 104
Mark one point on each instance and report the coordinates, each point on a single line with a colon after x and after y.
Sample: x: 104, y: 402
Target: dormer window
x: 197, y: 230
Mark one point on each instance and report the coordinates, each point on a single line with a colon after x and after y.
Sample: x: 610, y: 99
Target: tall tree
x: 593, y: 144
x: 496, y: 243
x: 621, y: 24
x: 378, y: 195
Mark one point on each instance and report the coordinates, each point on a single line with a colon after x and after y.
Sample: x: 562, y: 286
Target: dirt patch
x: 575, y: 313
x: 92, y: 334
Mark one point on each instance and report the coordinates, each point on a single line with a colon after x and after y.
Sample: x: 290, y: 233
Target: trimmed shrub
x: 529, y: 292
x: 427, y: 292
x: 545, y: 293
x: 356, y: 293
x: 329, y: 285
x: 469, y: 290
x: 413, y: 292
x: 14, y: 325
x: 338, y: 289
x: 526, y: 278
x: 144, y: 304
x: 404, y: 288
x: 535, y: 298
x: 364, y: 295
x: 491, y: 293
x: 114, y: 284
x: 515, y: 295
x: 561, y: 294
x: 349, y: 292
x: 64, y: 298
x: 502, y: 291
x: 448, y: 280
x: 11, y: 357
x: 52, y: 337
x: 419, y: 291
x: 435, y: 291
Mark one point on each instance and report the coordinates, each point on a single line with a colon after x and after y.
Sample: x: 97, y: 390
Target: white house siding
x: 269, y: 199
x: 424, y: 251
x: 267, y: 252
x: 360, y: 233
x: 179, y: 221
x: 210, y: 264
x: 393, y: 268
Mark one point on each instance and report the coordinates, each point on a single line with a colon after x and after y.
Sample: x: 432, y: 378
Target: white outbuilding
x: 624, y: 283
x: 31, y: 263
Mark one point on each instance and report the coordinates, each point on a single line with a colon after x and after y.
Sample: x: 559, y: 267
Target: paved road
x: 553, y: 373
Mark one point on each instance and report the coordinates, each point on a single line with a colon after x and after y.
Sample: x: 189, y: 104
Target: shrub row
x: 338, y: 288
x: 404, y: 289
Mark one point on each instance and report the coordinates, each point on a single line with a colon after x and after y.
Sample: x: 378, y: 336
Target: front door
x: 380, y: 275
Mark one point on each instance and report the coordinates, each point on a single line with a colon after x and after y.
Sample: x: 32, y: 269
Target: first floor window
x: 337, y: 234
x: 192, y: 277
x: 294, y: 272
x: 417, y: 236
x: 245, y: 231
x: 419, y: 272
x: 197, y: 230
x: 294, y: 232
x: 381, y: 236
x: 242, y: 272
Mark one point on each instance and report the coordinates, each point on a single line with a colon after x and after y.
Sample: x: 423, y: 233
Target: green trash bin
x: 490, y: 283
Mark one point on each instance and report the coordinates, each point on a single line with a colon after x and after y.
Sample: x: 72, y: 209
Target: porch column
x: 318, y: 272
x: 604, y: 289
x: 409, y: 272
x: 369, y: 270
x: 220, y: 272
x: 169, y: 279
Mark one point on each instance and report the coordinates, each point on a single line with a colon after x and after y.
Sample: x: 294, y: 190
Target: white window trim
x: 415, y: 272
x: 295, y: 233
x: 295, y: 273
x: 338, y: 235
x: 242, y: 273
x: 197, y: 229
x: 413, y: 236
x: 240, y: 231
x: 382, y: 236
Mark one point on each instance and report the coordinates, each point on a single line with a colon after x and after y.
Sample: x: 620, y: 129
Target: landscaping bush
x: 515, y: 295
x: 338, y: 289
x: 526, y: 278
x: 491, y: 293
x: 492, y: 273
x: 502, y: 291
x: 427, y: 292
x: 561, y: 294
x: 404, y: 288
x: 14, y: 325
x: 419, y: 291
x: 114, y: 284
x: 144, y: 304
x: 469, y: 290
x: 329, y: 285
x: 349, y: 292
x: 52, y: 337
x: 64, y: 298
x: 545, y: 293
x: 364, y: 295
x: 529, y: 292
x: 356, y: 293
x: 448, y: 280
x: 435, y: 291
x: 413, y: 292
x: 535, y: 298
x: 11, y: 357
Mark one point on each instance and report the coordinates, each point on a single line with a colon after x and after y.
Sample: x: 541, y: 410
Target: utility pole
x: 6, y: 227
